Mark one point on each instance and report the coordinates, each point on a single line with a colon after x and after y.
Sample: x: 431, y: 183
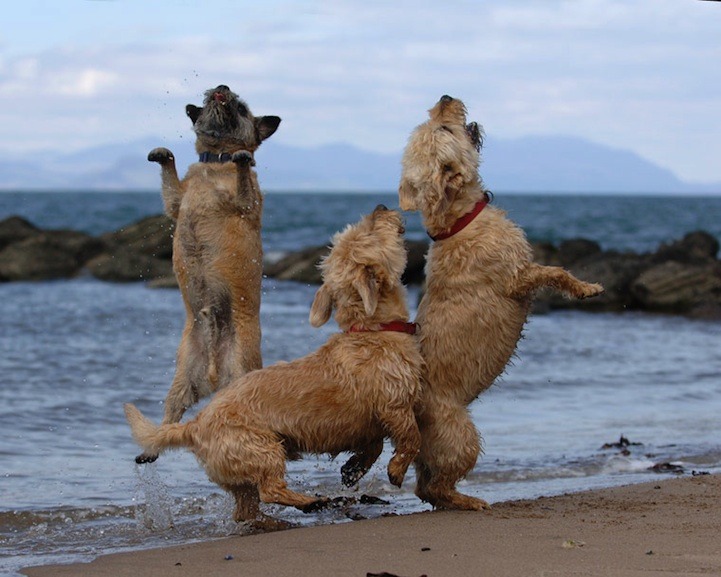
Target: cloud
x: 639, y: 75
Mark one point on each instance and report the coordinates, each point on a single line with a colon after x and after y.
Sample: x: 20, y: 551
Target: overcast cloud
x: 640, y: 75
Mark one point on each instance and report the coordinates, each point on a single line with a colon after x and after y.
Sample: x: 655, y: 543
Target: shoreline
x: 669, y: 526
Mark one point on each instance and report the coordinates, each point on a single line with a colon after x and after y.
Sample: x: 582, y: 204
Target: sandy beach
x: 668, y: 527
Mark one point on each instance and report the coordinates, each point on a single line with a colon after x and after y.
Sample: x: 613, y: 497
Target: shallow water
x: 75, y: 351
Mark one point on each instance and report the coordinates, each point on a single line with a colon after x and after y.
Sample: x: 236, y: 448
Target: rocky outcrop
x: 44, y: 255
x: 681, y: 277
x: 140, y: 251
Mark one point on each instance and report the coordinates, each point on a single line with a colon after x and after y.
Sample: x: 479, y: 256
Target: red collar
x: 393, y: 326
x: 462, y: 222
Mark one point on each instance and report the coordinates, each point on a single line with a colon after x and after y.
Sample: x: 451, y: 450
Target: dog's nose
x: 222, y: 87
x: 381, y: 207
x: 445, y: 98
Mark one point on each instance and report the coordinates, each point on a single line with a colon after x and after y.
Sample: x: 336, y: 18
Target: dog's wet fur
x: 480, y: 284
x: 217, y: 250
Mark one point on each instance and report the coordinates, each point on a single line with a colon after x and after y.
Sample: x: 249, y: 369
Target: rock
x: 615, y: 271
x: 693, y: 247
x: 545, y: 253
x: 415, y: 269
x: 48, y: 255
x: 14, y: 229
x: 575, y: 250
x: 678, y: 287
x: 301, y: 266
x: 152, y: 236
x: 125, y: 265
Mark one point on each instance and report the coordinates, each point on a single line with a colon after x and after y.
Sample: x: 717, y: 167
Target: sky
x: 639, y: 75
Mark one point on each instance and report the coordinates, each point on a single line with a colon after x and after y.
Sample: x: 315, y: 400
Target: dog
x: 217, y: 250
x: 362, y: 385
x: 480, y: 284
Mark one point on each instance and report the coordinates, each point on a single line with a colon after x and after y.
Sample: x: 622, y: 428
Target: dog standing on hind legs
x: 361, y: 386
x: 217, y: 250
x: 480, y: 284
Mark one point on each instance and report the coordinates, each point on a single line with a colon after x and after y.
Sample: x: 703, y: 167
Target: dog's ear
x: 367, y: 287
x: 322, y: 307
x: 407, y: 195
x: 193, y: 112
x: 266, y: 126
x: 434, y: 194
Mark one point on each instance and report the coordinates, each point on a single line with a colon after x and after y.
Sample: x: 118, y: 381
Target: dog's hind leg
x: 247, y: 501
x: 450, y: 448
x: 215, y: 322
x: 538, y: 276
x: 403, y: 430
x: 277, y: 491
x: 360, y: 463
x: 172, y: 188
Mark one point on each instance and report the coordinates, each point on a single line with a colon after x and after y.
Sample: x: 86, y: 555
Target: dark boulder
x: 122, y: 264
x: 575, y: 250
x: 693, y: 247
x: 415, y: 269
x: 151, y: 236
x: 48, y: 255
x: 678, y: 287
x: 300, y: 266
x: 14, y: 229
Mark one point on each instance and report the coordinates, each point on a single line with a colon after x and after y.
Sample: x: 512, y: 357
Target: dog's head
x: 362, y: 273
x: 440, y: 162
x: 225, y: 123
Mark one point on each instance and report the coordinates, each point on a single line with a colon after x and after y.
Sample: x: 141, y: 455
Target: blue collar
x: 212, y: 157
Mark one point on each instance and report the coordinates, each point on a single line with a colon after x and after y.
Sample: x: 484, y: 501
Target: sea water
x: 73, y: 351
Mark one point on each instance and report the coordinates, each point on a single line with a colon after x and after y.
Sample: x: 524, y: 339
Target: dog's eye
x: 447, y: 167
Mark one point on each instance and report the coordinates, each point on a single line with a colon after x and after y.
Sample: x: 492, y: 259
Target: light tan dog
x: 217, y: 250
x: 480, y: 284
x: 358, y: 388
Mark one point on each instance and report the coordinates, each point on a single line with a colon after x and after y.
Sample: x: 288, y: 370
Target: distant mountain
x: 529, y: 164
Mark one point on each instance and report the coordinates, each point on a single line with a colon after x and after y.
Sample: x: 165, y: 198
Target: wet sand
x: 668, y: 527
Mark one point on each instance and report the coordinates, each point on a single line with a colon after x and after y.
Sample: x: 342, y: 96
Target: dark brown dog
x: 217, y: 250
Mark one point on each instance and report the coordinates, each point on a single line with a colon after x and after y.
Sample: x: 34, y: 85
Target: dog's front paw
x: 145, y: 458
x: 397, y: 471
x: 243, y: 158
x: 591, y: 290
x: 352, y: 471
x: 160, y: 155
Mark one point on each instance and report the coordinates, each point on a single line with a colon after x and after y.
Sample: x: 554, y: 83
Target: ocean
x: 73, y: 351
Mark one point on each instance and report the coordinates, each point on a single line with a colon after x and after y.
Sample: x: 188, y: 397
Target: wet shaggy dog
x: 359, y: 387
x: 217, y: 251
x: 480, y: 283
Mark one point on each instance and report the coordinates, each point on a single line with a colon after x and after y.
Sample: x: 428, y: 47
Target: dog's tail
x: 155, y: 439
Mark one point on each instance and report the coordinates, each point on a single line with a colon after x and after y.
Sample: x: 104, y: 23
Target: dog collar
x: 212, y: 157
x: 462, y: 222
x: 393, y: 326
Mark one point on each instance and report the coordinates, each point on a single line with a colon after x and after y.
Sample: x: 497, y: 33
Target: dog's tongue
x: 219, y: 97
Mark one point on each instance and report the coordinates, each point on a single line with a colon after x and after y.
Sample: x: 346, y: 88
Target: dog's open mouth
x: 220, y: 98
